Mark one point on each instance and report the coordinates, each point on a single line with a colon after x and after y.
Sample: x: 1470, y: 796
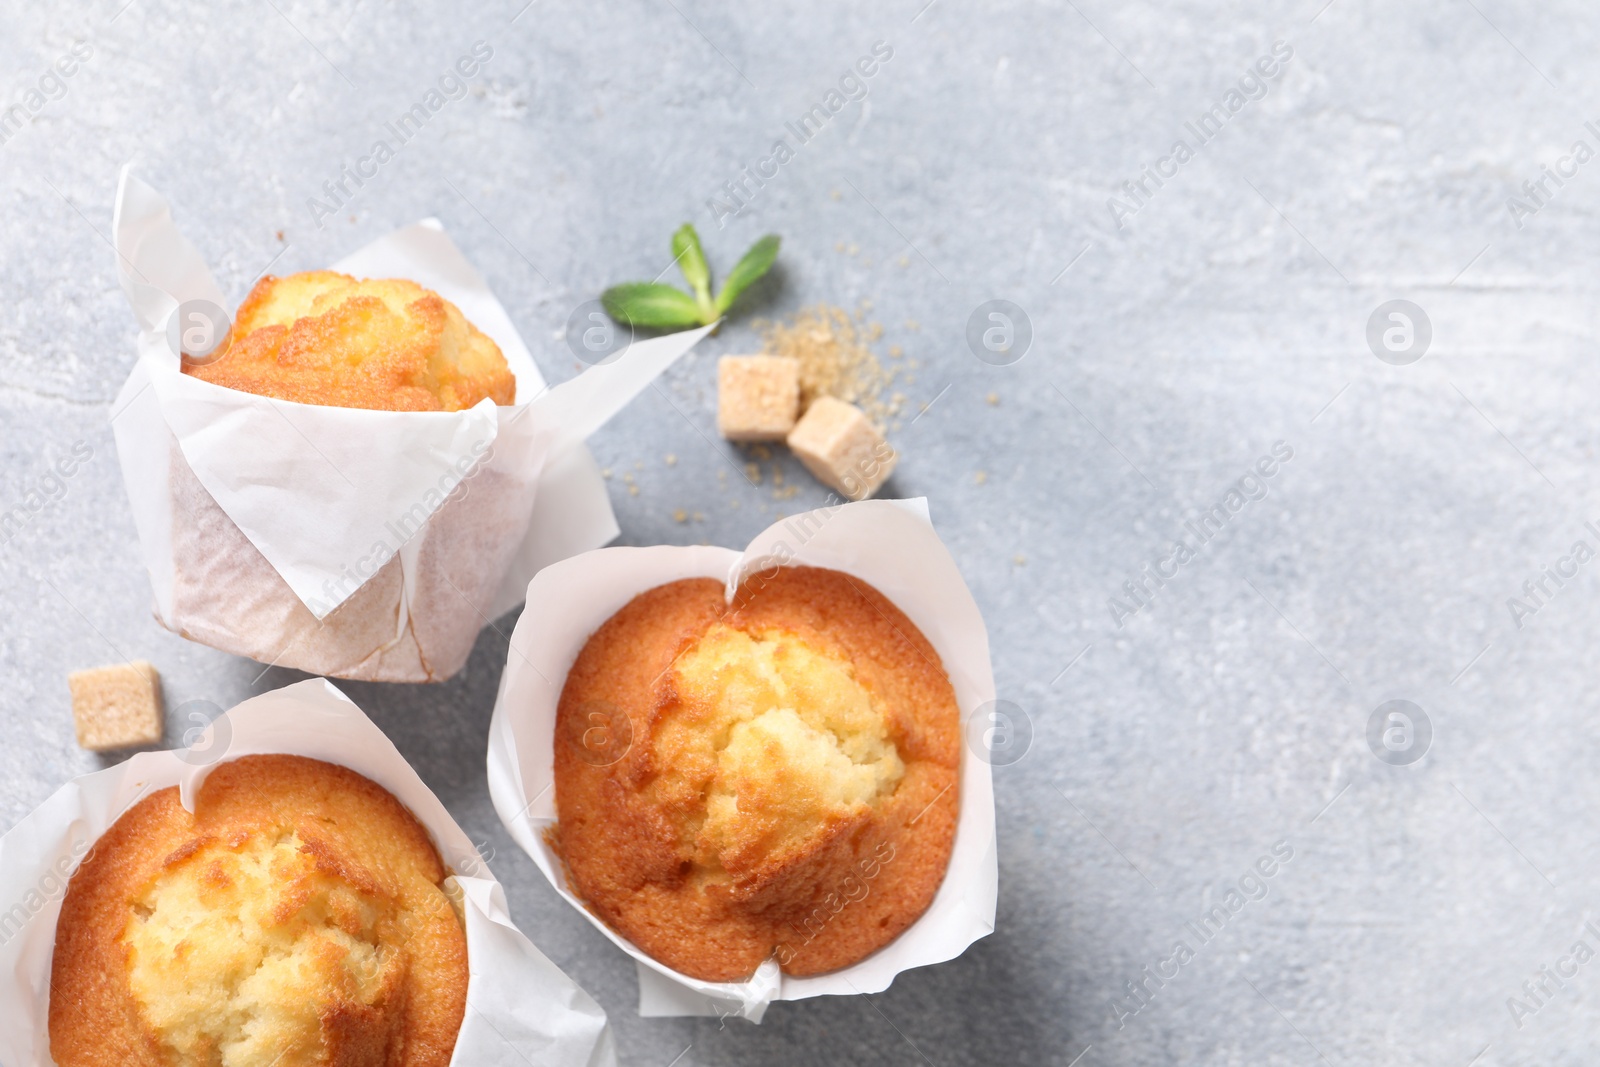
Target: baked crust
x: 773, y: 778
x: 295, y: 918
x: 321, y: 337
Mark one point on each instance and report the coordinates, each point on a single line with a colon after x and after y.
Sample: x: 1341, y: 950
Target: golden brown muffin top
x: 777, y: 778
x: 321, y: 337
x: 296, y: 918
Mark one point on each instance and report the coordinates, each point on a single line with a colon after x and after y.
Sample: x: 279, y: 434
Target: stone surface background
x: 1229, y: 312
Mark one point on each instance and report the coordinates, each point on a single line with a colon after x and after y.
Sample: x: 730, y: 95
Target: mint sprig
x: 696, y: 271
x: 751, y: 266
x: 654, y: 305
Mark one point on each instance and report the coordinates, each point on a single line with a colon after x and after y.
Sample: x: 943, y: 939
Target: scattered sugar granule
x: 834, y: 356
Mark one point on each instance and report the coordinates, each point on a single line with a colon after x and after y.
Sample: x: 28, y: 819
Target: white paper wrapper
x: 889, y: 544
x: 353, y: 543
x: 520, y: 1008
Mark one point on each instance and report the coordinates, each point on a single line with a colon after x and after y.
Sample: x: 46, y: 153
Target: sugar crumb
x: 835, y: 356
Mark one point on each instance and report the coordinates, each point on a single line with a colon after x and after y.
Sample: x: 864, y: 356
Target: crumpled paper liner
x: 520, y: 1008
x: 352, y: 543
x: 889, y: 544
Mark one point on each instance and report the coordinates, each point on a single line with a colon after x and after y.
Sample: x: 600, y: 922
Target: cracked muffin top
x: 295, y: 918
x: 321, y: 337
x: 771, y: 778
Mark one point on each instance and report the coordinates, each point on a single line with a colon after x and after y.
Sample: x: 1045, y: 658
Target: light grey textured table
x: 1178, y: 334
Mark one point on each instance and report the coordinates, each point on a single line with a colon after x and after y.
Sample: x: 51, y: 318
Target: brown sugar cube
x: 838, y: 443
x: 115, y: 707
x: 758, y: 397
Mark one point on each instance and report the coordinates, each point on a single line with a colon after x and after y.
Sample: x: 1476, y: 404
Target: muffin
x: 772, y: 778
x: 296, y: 918
x: 321, y: 337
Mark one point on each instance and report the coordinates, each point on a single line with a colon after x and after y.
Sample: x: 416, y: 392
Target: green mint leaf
x: 744, y: 274
x: 691, y: 260
x: 652, y: 305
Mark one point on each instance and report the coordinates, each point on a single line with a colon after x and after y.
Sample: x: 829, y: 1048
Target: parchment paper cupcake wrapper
x: 889, y: 544
x: 317, y: 504
x: 521, y: 1008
